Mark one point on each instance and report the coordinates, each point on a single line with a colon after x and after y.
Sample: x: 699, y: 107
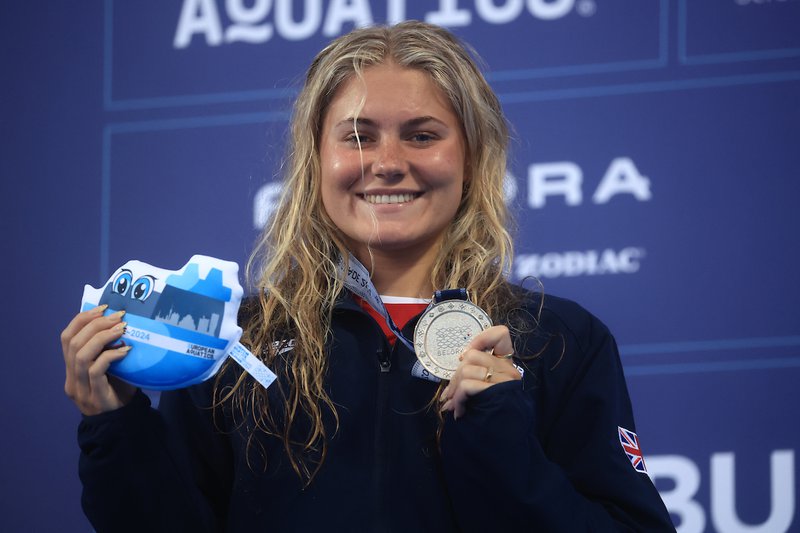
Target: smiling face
x: 399, y: 190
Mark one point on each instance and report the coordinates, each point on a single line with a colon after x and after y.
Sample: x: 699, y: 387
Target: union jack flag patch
x: 630, y: 444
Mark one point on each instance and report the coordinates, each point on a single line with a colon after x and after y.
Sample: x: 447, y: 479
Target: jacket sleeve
x: 544, y: 454
x: 141, y: 473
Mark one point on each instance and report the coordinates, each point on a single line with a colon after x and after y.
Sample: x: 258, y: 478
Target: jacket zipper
x: 384, y: 359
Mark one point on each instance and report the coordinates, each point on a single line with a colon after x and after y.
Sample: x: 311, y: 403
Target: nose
x: 390, y: 162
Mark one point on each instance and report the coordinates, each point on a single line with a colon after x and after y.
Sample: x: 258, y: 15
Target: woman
x: 397, y: 161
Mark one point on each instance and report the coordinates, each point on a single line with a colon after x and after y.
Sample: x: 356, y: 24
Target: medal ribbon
x: 358, y: 281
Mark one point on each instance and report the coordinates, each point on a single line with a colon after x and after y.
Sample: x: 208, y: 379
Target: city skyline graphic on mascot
x: 181, y: 324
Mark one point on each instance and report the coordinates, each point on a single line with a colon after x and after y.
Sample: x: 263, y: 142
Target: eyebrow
x: 369, y: 122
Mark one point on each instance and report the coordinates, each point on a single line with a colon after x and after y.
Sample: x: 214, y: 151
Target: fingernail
x: 461, y: 356
x: 117, y: 315
x: 125, y: 349
x: 120, y: 326
x: 100, y: 308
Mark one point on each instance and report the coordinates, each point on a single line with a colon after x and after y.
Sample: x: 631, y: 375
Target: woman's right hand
x: 87, y: 357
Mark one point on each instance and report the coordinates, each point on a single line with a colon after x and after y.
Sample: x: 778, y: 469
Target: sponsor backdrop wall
x: 653, y: 175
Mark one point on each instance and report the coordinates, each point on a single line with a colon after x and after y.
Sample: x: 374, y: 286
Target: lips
x: 380, y: 199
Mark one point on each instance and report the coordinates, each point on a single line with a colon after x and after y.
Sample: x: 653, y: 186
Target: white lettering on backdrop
x: 565, y: 179
x: 684, y: 478
x: 218, y: 22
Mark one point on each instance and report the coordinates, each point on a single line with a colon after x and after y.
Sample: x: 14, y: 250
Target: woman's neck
x: 401, y: 273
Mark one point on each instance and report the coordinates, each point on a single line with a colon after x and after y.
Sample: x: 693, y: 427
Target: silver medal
x: 444, y: 331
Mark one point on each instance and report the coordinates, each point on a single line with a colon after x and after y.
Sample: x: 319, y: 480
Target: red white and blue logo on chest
x: 630, y: 444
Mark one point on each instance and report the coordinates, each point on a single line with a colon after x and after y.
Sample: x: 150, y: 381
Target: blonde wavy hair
x: 294, y: 265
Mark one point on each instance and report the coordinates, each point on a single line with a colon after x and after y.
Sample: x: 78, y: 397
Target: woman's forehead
x: 388, y: 88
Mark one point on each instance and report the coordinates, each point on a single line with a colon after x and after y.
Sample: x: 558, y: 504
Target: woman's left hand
x: 485, y: 361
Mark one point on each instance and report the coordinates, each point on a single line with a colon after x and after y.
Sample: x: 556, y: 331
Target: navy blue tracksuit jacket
x: 541, y: 454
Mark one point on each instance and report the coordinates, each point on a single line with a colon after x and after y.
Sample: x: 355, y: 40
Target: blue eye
x: 142, y: 288
x: 122, y: 282
x: 423, y: 137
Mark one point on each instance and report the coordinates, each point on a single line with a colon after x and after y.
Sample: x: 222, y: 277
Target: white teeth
x: 388, y: 198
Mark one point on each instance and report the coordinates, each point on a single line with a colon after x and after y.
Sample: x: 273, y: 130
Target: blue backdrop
x: 653, y: 176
